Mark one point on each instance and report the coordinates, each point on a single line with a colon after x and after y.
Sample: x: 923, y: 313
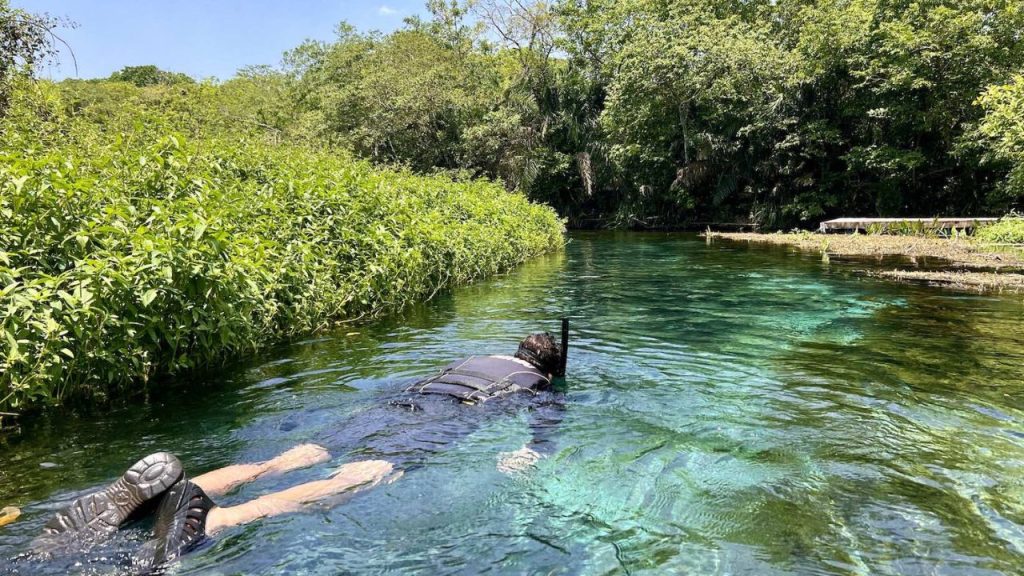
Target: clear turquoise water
x: 731, y: 410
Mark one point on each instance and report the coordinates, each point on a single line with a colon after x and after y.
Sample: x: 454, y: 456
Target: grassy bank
x: 961, y: 262
x: 132, y: 252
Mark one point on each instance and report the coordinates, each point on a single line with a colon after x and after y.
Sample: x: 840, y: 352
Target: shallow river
x: 730, y: 410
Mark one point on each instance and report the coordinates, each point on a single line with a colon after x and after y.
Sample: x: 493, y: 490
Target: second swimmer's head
x: 542, y: 351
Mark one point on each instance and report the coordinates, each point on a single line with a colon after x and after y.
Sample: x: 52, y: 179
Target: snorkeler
x: 186, y: 513
x: 479, y: 379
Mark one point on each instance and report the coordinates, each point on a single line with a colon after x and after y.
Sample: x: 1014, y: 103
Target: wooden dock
x: 865, y: 224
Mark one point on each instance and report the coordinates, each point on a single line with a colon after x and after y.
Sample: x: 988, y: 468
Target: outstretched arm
x: 545, y: 419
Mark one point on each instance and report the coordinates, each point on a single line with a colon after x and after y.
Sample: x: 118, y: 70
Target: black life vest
x: 481, y: 378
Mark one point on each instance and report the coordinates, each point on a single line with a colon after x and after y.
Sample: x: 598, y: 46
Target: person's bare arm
x: 545, y: 419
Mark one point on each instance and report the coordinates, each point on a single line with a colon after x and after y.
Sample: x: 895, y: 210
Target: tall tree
x: 149, y: 75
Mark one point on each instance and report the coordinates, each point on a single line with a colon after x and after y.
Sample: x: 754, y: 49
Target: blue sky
x: 202, y: 38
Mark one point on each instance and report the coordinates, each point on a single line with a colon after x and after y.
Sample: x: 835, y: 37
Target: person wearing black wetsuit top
x: 186, y: 514
x: 480, y: 379
x: 421, y: 419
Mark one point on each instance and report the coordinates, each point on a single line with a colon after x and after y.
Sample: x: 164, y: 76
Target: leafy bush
x: 127, y: 255
x: 1002, y: 131
x: 1006, y: 231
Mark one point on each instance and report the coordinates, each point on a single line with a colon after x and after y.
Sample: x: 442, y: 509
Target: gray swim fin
x: 99, y: 514
x: 180, y: 523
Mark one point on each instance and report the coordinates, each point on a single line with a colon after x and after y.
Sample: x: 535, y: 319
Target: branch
x: 49, y: 30
x: 74, y: 59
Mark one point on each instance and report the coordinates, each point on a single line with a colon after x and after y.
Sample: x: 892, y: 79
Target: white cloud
x: 386, y: 10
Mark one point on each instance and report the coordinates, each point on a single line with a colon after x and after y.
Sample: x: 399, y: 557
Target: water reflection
x: 732, y: 410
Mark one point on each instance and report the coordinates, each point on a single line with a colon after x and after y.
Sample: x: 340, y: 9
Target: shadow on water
x: 732, y: 410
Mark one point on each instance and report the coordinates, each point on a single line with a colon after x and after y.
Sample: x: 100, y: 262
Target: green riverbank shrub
x: 1009, y: 230
x: 129, y: 254
x: 1002, y: 130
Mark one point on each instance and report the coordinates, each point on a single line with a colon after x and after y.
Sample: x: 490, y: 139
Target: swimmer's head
x: 542, y: 351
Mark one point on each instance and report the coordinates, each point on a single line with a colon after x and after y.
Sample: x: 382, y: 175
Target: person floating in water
x: 186, y: 512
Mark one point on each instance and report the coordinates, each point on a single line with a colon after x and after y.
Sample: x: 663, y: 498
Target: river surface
x: 730, y: 410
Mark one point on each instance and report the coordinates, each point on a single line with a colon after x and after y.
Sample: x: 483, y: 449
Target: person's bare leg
x: 349, y: 478
x: 223, y: 480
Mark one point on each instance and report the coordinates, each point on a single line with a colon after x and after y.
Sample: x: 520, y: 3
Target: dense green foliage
x: 660, y: 113
x: 415, y: 98
x: 149, y: 75
x: 1003, y: 130
x: 651, y: 112
x: 442, y: 94
x: 795, y: 111
x: 145, y: 234
x: 1006, y: 231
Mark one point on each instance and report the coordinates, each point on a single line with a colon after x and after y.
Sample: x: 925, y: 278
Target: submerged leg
x: 348, y: 479
x: 223, y: 480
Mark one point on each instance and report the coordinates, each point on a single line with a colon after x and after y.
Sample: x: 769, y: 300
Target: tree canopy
x: 149, y: 75
x: 665, y: 113
x: 660, y: 113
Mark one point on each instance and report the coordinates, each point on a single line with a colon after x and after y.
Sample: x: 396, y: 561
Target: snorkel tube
x: 564, y: 347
